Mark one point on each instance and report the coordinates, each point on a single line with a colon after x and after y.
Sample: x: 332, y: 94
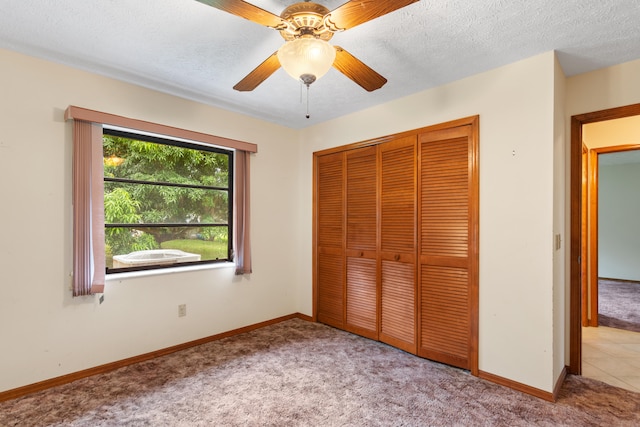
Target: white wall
x: 618, y: 213
x: 516, y: 108
x: 45, y: 333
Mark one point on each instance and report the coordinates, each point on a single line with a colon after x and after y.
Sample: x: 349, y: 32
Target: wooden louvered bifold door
x: 446, y: 248
x: 361, y: 315
x: 396, y: 240
x: 330, y: 239
x: 398, y: 243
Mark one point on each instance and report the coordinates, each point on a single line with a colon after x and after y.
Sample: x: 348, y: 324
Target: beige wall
x: 560, y: 291
x: 609, y: 133
x: 516, y: 108
x: 602, y: 89
x: 44, y: 332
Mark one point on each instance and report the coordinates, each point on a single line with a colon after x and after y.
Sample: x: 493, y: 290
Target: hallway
x: 612, y: 356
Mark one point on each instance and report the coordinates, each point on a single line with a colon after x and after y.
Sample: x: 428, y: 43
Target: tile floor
x: 612, y: 356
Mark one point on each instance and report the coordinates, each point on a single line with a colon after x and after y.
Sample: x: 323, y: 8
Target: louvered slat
x: 361, y: 199
x: 361, y: 294
x: 330, y: 306
x: 445, y: 198
x: 398, y: 302
x: 398, y: 197
x: 445, y: 311
x: 330, y: 203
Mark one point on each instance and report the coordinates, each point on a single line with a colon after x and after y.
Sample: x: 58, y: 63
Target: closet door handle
x: 397, y: 257
x: 361, y: 254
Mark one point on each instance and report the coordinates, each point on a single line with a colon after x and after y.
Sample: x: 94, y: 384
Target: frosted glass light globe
x: 306, y: 58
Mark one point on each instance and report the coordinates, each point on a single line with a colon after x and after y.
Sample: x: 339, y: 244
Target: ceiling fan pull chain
x: 307, y: 116
x: 307, y: 102
x: 307, y: 85
x: 301, y: 91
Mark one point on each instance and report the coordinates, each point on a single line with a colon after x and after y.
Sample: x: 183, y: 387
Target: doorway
x: 611, y: 239
x: 578, y: 263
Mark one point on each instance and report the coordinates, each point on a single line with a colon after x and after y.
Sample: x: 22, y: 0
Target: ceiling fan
x: 306, y: 27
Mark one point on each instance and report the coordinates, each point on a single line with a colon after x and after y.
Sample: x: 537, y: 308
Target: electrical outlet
x: 182, y: 310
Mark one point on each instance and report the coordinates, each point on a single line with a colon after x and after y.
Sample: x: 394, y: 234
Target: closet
x: 396, y: 240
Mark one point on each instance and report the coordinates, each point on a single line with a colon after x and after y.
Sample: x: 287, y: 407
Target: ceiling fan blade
x: 259, y: 74
x: 248, y: 11
x: 356, y: 12
x: 357, y: 70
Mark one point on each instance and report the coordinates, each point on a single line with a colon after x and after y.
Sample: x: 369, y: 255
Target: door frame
x: 594, y: 191
x: 575, y: 291
x: 584, y: 234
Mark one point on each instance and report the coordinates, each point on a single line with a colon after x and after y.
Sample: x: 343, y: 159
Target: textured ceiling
x: 192, y: 50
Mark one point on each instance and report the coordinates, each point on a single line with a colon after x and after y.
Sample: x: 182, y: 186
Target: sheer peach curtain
x: 88, y: 209
x: 242, y: 206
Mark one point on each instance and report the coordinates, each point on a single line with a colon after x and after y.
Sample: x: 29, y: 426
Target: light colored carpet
x: 619, y: 304
x: 298, y: 373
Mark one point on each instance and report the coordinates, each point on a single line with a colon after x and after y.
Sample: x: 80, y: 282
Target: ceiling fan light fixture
x: 306, y: 58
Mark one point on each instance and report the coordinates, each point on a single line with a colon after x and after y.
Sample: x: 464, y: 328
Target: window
x: 89, y: 242
x: 166, y: 202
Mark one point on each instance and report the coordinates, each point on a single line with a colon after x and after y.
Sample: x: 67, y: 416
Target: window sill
x: 164, y: 271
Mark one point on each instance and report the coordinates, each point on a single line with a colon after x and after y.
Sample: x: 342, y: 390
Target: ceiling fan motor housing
x: 305, y: 19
